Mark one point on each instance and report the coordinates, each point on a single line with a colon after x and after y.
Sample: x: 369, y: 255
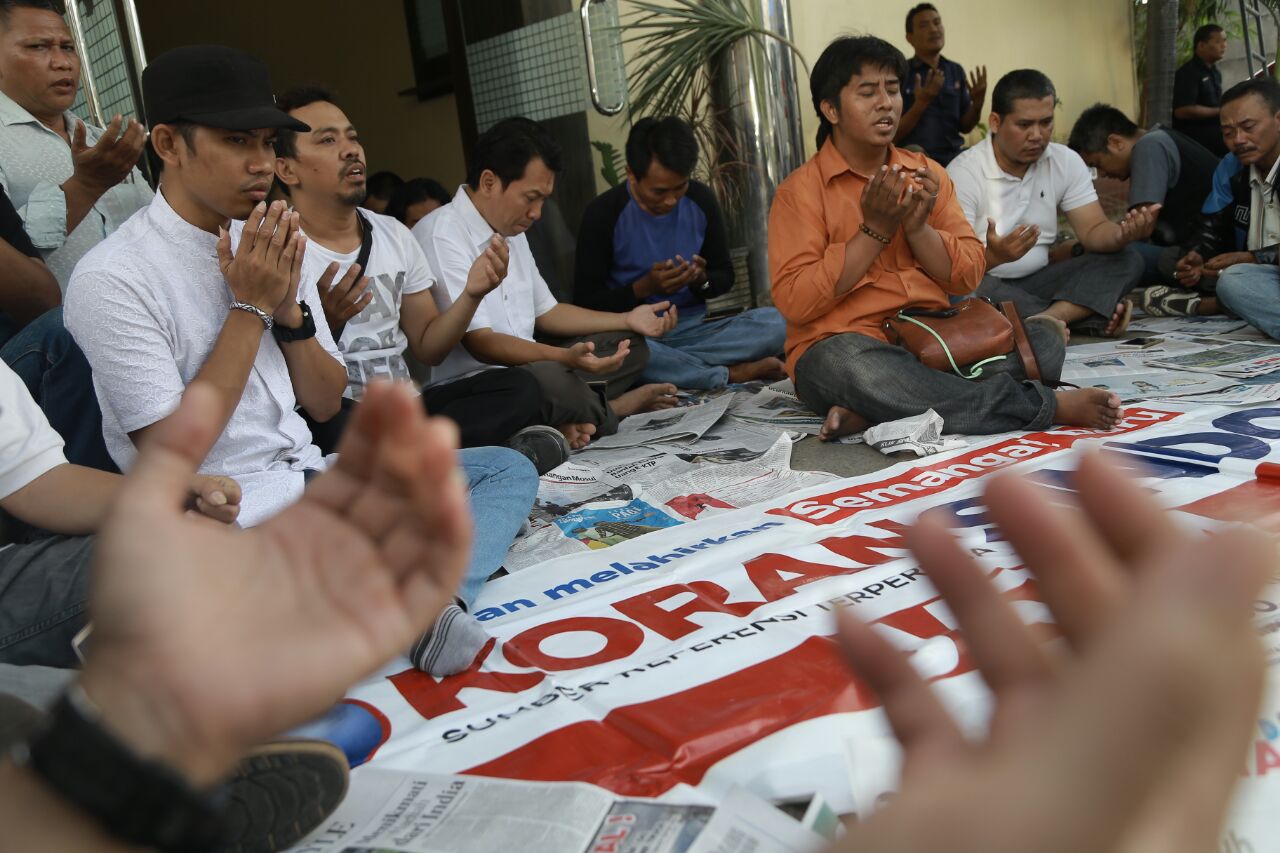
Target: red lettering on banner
x: 432, y: 698
x: 923, y: 480
x: 674, y: 623
x: 1256, y: 501
x: 765, y: 572
x: 860, y: 548
x: 1265, y: 758
x: 621, y: 640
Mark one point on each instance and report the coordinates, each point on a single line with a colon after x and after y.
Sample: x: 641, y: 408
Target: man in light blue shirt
x: 73, y: 184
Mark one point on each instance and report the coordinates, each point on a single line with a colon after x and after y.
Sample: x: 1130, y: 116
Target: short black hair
x: 383, y: 184
x: 507, y: 148
x: 182, y: 127
x: 286, y: 142
x: 1204, y: 33
x: 1023, y: 84
x: 7, y: 6
x: 843, y: 58
x: 415, y: 191
x: 1264, y: 87
x: 669, y: 139
x: 916, y: 10
x: 1090, y: 132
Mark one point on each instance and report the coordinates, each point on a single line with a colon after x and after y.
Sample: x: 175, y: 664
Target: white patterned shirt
x: 34, y: 163
x: 147, y: 305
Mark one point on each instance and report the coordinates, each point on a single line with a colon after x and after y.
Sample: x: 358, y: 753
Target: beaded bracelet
x: 874, y: 234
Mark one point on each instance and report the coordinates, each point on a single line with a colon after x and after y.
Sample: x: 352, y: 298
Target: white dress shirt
x: 1059, y: 180
x: 452, y: 237
x: 146, y: 306
x: 34, y: 163
x: 29, y: 447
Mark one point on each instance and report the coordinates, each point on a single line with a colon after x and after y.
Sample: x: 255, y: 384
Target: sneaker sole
x: 282, y: 791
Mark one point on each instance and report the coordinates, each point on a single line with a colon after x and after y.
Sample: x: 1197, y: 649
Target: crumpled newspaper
x: 921, y: 434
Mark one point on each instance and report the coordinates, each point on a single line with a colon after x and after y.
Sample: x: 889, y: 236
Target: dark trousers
x: 44, y: 591
x: 883, y: 382
x: 578, y: 397
x: 1096, y: 281
x: 488, y: 408
x: 46, y: 358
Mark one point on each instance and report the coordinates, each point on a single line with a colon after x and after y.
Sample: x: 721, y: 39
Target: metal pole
x: 86, y: 71
x: 133, y: 30
x: 755, y: 96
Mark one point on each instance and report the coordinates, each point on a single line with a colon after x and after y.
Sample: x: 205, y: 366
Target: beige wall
x: 361, y: 50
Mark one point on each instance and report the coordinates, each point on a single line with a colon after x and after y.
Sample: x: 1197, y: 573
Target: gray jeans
x: 1096, y: 281
x: 883, y: 382
x: 578, y: 397
x: 44, y: 591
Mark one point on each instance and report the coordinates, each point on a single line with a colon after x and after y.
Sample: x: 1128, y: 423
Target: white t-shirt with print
x: 29, y: 447
x: 372, y: 342
x: 452, y: 237
x: 1059, y: 180
x: 147, y: 305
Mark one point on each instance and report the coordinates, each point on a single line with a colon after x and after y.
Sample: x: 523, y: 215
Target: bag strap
x: 366, y: 243
x: 975, y: 370
x: 1021, y: 341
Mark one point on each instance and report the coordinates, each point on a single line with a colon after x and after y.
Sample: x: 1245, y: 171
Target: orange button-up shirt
x: 815, y: 212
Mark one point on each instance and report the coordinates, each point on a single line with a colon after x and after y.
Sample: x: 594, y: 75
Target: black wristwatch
x: 138, y: 801
x: 306, y: 330
x: 1077, y: 250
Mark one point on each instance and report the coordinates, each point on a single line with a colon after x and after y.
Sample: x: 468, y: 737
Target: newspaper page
x: 390, y: 812
x: 1242, y: 359
x: 744, y: 823
x: 589, y: 527
x: 683, y: 423
x: 637, y: 826
x: 1236, y: 395
x: 778, y: 406
x: 1212, y: 324
x: 1162, y: 383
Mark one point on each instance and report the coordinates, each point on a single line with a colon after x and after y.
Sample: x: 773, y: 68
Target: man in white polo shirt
x: 1011, y: 187
x: 585, y: 384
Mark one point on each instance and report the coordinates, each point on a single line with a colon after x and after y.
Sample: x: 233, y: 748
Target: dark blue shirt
x: 938, y: 130
x: 641, y: 240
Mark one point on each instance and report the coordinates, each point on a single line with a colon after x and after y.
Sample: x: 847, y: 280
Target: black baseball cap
x: 214, y: 86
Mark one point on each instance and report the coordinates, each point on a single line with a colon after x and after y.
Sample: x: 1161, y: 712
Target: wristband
x: 140, y: 802
x: 267, y: 319
x: 874, y: 235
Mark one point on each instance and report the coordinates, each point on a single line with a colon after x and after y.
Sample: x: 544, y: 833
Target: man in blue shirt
x: 938, y: 103
x: 660, y: 237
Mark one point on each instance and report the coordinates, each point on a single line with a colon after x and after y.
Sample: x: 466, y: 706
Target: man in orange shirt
x: 864, y: 230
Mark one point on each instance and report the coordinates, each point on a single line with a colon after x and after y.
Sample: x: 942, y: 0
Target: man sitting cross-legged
x: 1163, y: 167
x: 1239, y: 241
x: 660, y: 237
x: 1011, y: 186
x: 864, y: 230
x: 168, y: 299
x: 378, y: 311
x: 586, y: 383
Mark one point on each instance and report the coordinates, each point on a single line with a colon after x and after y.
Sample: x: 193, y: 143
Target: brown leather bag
x: 962, y: 338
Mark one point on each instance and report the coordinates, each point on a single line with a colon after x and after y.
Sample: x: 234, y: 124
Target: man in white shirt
x: 380, y: 302
x: 1011, y: 187
x: 72, y: 184
x: 586, y: 384
x: 167, y: 300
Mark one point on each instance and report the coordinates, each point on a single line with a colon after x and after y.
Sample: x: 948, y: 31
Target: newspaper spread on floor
x: 1213, y: 324
x: 1239, y: 359
x: 684, y: 423
x: 1236, y: 395
x: 396, y: 812
x: 777, y: 406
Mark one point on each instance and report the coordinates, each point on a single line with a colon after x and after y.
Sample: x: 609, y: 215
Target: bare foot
x: 762, y: 368
x: 1096, y: 408
x: 841, y: 422
x: 1119, y: 320
x: 1050, y: 320
x: 578, y: 435
x: 646, y: 398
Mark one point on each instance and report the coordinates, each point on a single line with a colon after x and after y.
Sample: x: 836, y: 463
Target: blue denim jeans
x: 696, y: 354
x: 1252, y: 293
x: 503, y: 485
x: 1157, y: 262
x: 55, y: 371
x: 44, y: 591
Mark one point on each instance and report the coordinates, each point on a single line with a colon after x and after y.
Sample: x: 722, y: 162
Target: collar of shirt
x: 180, y: 231
x: 11, y: 113
x: 1256, y: 179
x: 478, y: 231
x: 831, y: 162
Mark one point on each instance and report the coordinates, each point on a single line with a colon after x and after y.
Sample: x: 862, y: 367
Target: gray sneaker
x: 546, y: 447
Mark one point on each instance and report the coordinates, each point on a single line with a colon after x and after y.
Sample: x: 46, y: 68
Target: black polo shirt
x: 11, y: 230
x: 938, y: 130
x: 1196, y: 84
